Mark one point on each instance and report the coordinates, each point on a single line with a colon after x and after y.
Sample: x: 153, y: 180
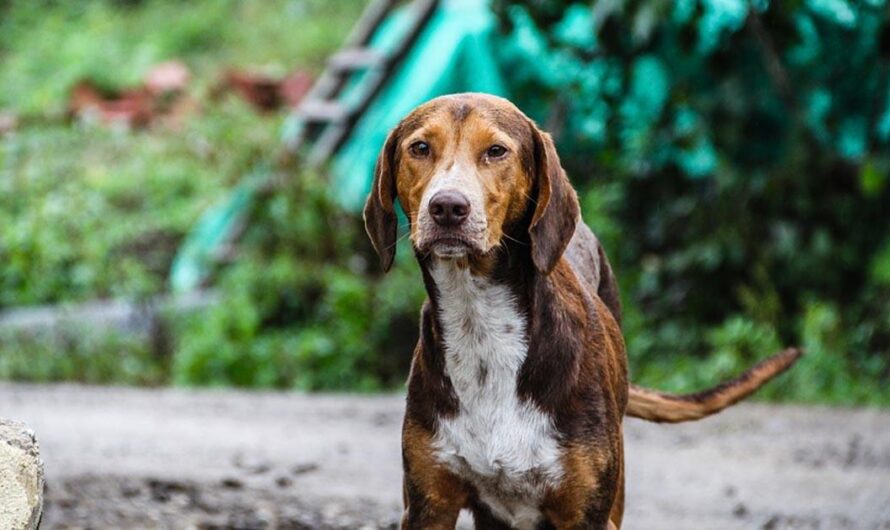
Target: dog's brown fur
x: 575, y: 370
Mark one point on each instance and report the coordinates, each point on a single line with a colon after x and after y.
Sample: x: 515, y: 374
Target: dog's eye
x: 419, y: 149
x: 496, y: 151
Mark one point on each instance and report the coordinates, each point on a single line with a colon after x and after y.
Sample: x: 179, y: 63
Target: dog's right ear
x: 381, y: 222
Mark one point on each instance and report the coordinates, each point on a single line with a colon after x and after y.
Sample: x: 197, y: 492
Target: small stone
x: 252, y: 464
x: 301, y: 469
x: 232, y: 483
x: 21, y: 477
x: 9, y: 122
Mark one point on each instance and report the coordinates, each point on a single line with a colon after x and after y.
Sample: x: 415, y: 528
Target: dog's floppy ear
x: 379, y: 214
x: 556, y: 211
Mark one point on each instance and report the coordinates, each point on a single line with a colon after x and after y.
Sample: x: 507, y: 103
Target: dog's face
x: 461, y: 176
x: 466, y: 169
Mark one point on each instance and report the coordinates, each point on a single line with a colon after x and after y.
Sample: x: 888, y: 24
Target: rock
x: 21, y: 477
x: 9, y: 122
x: 167, y: 78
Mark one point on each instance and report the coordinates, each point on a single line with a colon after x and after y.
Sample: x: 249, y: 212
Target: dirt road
x: 125, y: 458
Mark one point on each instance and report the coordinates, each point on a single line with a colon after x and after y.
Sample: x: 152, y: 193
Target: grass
x: 88, y: 212
x: 46, y: 47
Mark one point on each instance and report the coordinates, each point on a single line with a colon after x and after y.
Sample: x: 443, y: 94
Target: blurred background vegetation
x: 733, y: 157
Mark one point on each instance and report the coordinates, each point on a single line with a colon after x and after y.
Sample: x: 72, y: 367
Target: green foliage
x: 46, y: 46
x: 299, y: 309
x: 86, y: 212
x: 733, y: 156
x: 71, y: 353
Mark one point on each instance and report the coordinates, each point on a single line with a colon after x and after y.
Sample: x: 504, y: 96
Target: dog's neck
x: 508, y: 266
x: 468, y: 291
x: 462, y: 304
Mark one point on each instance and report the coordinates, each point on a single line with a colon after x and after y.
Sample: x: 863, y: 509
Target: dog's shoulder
x: 588, y: 260
x: 583, y: 256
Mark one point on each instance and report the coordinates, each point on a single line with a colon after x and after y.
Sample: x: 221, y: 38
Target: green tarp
x: 453, y: 54
x: 456, y: 52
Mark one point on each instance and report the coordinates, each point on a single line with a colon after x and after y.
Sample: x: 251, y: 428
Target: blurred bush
x: 734, y: 157
x: 299, y: 309
x: 87, y: 212
x: 71, y: 353
x: 47, y: 46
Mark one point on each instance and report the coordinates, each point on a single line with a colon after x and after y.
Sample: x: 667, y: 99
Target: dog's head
x: 468, y: 170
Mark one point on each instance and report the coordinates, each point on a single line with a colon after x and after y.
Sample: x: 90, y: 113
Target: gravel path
x: 130, y: 458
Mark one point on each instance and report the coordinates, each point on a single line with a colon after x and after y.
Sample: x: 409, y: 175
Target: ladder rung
x: 329, y: 122
x: 374, y: 14
x: 323, y: 111
x: 326, y: 144
x: 356, y: 58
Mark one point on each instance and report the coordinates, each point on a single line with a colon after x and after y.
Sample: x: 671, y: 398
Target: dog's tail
x: 659, y: 407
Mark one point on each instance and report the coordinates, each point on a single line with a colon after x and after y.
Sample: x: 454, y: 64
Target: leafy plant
x: 46, y: 46
x: 88, y: 213
x: 300, y: 308
x: 733, y: 156
x: 71, y: 353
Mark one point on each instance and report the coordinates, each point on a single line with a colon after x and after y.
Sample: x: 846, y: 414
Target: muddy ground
x: 131, y: 459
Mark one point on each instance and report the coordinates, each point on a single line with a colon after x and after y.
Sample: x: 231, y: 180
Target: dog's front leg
x: 433, y: 495
x: 424, y: 509
x: 591, y: 496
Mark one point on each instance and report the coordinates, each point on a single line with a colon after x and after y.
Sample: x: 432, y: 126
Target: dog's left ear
x: 379, y: 214
x: 557, y: 210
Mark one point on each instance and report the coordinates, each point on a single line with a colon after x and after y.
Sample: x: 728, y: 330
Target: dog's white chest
x: 504, y: 446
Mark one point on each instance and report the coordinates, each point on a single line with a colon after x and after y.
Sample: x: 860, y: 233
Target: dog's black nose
x: 449, y: 208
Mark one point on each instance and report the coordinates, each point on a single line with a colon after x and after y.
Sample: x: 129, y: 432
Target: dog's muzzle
x: 451, y: 226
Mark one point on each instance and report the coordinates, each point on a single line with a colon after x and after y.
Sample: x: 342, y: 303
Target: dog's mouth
x: 451, y: 247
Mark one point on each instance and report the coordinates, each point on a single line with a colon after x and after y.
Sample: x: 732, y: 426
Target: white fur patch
x: 457, y: 178
x: 505, y: 447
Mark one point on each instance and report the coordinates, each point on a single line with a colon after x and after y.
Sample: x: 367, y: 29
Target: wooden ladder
x: 328, y: 121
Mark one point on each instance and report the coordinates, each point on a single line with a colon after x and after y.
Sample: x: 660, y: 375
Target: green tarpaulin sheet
x: 453, y: 54
x: 456, y: 52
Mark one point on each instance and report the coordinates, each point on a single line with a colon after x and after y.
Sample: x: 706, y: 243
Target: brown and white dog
x: 518, y: 385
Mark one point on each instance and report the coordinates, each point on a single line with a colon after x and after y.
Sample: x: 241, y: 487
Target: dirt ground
x: 127, y: 458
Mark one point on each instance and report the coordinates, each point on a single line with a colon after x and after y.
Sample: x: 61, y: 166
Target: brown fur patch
x: 569, y: 505
x: 566, y: 506
x: 434, y: 495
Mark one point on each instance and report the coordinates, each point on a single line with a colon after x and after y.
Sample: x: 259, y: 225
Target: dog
x: 518, y: 385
